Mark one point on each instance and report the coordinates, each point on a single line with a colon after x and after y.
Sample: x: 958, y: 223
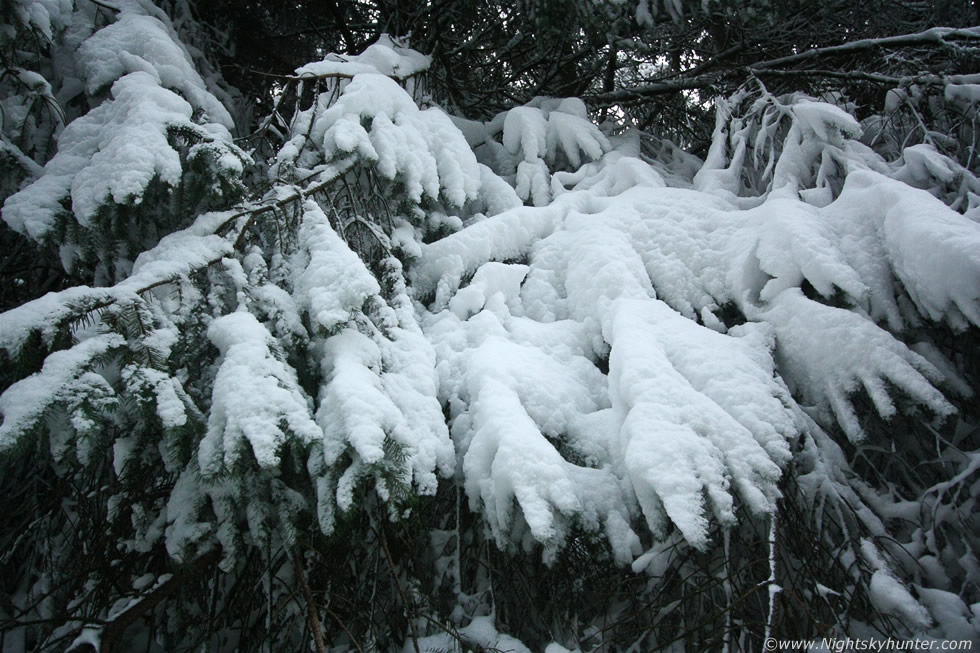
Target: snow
x: 612, y: 241
x: 331, y: 280
x: 184, y: 505
x: 827, y: 121
x: 379, y: 381
x: 254, y: 395
x: 43, y: 315
x: 644, y: 17
x: 456, y: 165
x: 481, y: 632
x: 829, y: 352
x: 353, y: 407
x: 88, y: 637
x: 378, y: 389
x: 127, y: 155
x: 174, y: 257
x: 950, y: 612
x: 665, y: 375
x: 505, y: 235
x: 533, y: 182
x: 735, y: 372
x: 965, y: 93
x: 686, y: 427
x: 492, y: 282
x: 386, y: 56
x: 669, y: 464
x: 498, y: 195
x: 137, y: 43
x: 46, y: 16
x: 575, y: 134
x: 170, y: 407
x: 914, y: 226
x: 361, y: 407
x: 411, y: 381
x: 691, y: 421
x: 566, y: 356
x: 793, y: 242
x: 64, y: 374
x: 111, y: 153
x: 890, y: 596
x: 509, y: 459
x: 526, y: 133
x: 523, y: 391
x: 536, y: 139
x: 422, y: 149
x: 335, y: 66
x: 923, y: 161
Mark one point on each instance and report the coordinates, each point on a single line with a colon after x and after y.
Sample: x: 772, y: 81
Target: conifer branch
x: 113, y: 629
x: 696, y: 79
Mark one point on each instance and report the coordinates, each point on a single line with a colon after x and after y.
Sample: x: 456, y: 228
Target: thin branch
x: 709, y: 63
x: 114, y: 628
x: 856, y: 75
x: 105, y: 6
x: 409, y: 613
x: 311, y: 609
x: 934, y: 36
x: 343, y: 627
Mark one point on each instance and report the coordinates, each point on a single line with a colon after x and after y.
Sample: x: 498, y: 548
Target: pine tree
x: 388, y: 369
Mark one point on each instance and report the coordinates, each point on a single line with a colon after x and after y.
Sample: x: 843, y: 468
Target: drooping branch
x: 227, y: 235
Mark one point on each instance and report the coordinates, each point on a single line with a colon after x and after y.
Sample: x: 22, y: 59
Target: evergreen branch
x: 934, y: 36
x: 928, y: 79
x: 308, y: 77
x: 694, y: 78
x: 113, y: 629
x: 638, y: 93
x: 234, y: 229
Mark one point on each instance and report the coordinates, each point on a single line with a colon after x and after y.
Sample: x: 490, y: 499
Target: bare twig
x: 409, y: 613
x: 311, y: 608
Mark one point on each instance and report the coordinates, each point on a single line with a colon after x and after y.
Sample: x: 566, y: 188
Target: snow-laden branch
x: 696, y: 78
x: 212, y: 237
x: 934, y: 36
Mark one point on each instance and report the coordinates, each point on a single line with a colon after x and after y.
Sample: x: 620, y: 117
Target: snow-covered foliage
x: 428, y: 344
x: 154, y: 132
